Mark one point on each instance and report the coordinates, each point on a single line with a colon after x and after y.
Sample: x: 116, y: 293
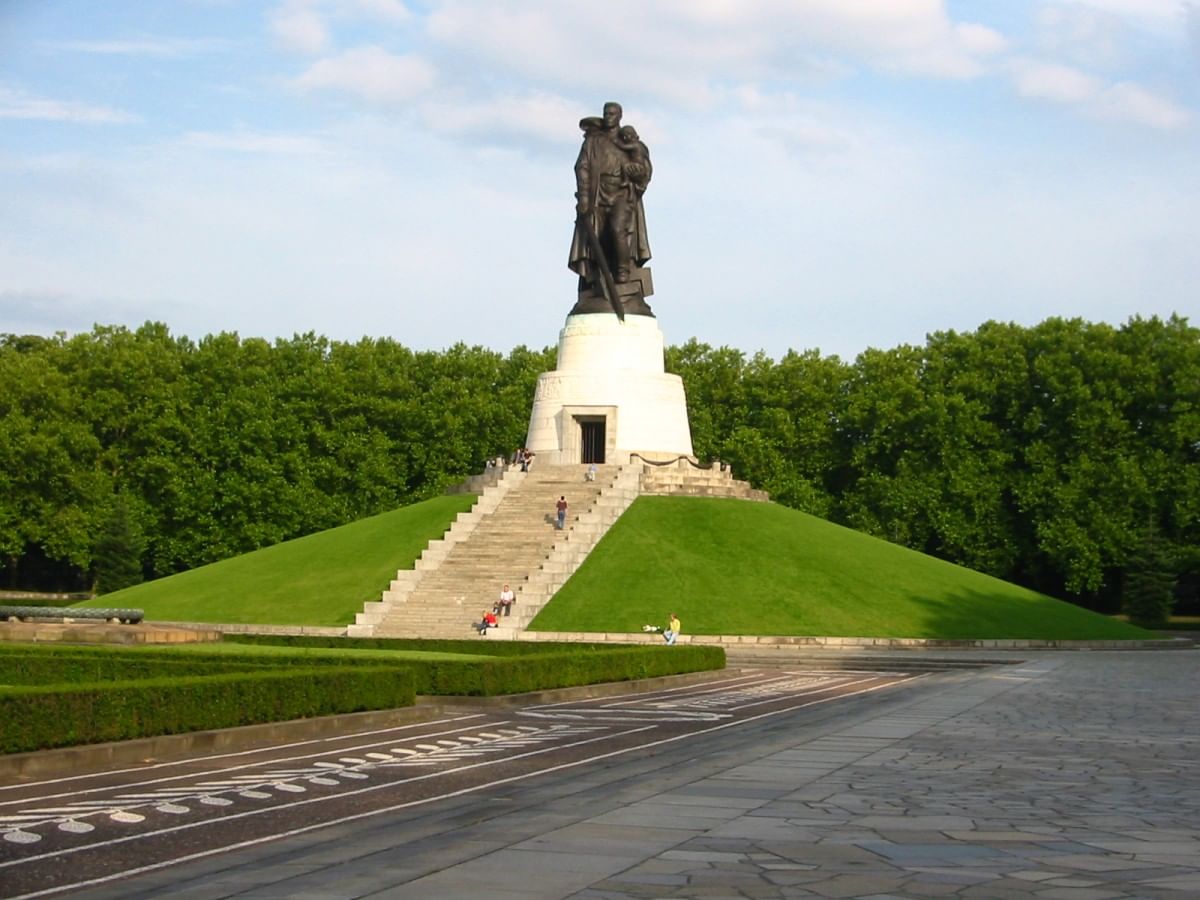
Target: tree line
x: 1061, y: 456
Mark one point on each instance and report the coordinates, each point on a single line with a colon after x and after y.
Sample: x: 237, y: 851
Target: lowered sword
x: 608, y: 287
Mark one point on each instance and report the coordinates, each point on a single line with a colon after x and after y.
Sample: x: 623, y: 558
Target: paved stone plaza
x: 1073, y: 776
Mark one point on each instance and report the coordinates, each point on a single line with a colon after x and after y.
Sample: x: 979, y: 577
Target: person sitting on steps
x: 488, y: 620
x: 506, y: 601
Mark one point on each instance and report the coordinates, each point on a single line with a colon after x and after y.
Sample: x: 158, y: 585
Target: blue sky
x: 829, y: 174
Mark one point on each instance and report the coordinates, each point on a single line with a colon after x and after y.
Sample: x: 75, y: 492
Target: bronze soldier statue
x: 609, y: 248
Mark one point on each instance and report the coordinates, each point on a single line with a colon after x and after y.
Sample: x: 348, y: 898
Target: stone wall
x: 685, y: 478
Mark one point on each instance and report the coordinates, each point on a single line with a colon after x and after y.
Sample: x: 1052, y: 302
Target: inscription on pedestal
x: 547, y: 389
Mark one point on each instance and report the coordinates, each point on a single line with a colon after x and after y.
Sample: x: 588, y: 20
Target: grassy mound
x: 751, y: 568
x: 321, y: 579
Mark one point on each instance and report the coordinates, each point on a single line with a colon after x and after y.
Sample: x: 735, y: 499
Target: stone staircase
x: 621, y: 488
x: 508, y: 536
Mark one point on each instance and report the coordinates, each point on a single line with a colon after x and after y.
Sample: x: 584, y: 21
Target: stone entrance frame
x: 571, y: 433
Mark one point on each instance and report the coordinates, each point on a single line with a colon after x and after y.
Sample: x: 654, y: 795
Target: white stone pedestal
x: 609, y: 388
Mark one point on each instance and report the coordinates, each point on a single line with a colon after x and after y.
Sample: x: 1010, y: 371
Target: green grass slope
x: 728, y: 567
x: 320, y: 579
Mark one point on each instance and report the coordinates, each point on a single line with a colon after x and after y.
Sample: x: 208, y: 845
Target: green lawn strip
x: 729, y: 567
x: 1175, y: 623
x: 321, y: 579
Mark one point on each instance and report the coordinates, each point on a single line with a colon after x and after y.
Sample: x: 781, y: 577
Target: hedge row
x: 62, y: 715
x: 539, y: 672
x: 525, y: 666
x: 538, y: 667
x: 92, y: 694
x: 83, y: 667
x: 473, y: 646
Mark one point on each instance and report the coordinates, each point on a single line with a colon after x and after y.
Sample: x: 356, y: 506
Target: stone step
x: 508, y: 543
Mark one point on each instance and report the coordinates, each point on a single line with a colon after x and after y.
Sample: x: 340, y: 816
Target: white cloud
x: 977, y: 39
x: 16, y: 104
x: 1138, y: 10
x: 304, y: 25
x: 1080, y: 35
x: 797, y: 126
x: 383, y: 10
x: 372, y: 74
x: 683, y: 50
x: 1122, y: 101
x: 1114, y: 34
x: 541, y: 116
x: 1051, y: 81
x: 299, y: 27
x: 1127, y: 102
x: 914, y: 35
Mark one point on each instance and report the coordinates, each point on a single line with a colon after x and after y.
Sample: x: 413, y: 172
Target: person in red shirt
x: 487, y: 621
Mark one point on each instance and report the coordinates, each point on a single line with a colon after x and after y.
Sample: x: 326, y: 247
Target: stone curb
x: 860, y: 643
x: 99, y: 632
x: 763, y: 641
x: 882, y: 643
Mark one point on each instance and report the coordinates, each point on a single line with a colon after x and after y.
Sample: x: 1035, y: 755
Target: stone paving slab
x: 602, y: 839
x: 1074, y: 776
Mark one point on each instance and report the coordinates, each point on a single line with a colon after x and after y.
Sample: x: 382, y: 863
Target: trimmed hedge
x: 74, y: 667
x: 545, y: 667
x: 523, y: 666
x: 473, y: 646
x: 539, y: 672
x: 62, y: 715
x: 64, y: 695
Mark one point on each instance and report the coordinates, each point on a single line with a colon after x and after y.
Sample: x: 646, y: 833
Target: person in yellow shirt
x: 673, y: 629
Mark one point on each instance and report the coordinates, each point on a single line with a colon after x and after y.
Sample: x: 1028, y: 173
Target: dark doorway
x: 593, y: 434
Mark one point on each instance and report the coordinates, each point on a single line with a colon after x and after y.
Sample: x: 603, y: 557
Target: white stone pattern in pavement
x: 273, y: 782
x: 713, y: 705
